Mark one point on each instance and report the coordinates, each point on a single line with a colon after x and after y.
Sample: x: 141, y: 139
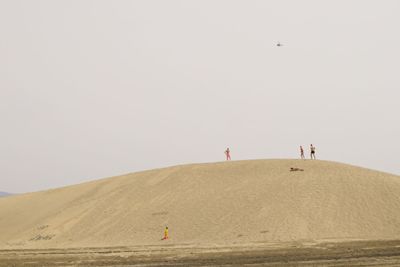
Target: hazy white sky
x: 91, y: 89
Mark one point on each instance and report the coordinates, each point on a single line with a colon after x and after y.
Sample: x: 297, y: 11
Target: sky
x: 93, y: 89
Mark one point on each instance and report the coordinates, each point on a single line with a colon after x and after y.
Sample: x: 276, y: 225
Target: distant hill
x: 236, y: 202
x: 4, y: 194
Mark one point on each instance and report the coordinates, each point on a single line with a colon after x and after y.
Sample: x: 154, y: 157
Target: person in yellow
x: 165, y: 233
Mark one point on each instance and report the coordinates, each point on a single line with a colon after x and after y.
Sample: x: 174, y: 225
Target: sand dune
x: 217, y: 203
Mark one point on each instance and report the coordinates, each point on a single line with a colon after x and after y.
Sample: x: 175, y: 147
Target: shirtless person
x: 301, y: 152
x: 228, y: 154
x: 312, y: 149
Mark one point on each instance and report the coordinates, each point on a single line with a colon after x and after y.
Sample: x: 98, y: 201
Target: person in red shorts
x: 228, y: 154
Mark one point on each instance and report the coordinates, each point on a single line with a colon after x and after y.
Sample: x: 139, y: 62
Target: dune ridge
x: 207, y: 204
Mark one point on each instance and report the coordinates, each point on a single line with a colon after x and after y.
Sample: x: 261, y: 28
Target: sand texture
x: 238, y: 202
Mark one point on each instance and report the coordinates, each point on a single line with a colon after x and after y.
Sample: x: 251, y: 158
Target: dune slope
x: 215, y: 203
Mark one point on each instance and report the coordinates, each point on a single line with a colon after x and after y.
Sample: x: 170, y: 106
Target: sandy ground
x: 366, y: 253
x: 254, y: 213
x: 225, y: 203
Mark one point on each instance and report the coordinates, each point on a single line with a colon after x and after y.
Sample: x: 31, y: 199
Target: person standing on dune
x: 228, y: 154
x: 301, y: 152
x: 312, y: 148
x: 165, y: 233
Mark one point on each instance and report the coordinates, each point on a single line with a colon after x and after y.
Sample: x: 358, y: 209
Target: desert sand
x: 204, y: 205
x: 344, y: 254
